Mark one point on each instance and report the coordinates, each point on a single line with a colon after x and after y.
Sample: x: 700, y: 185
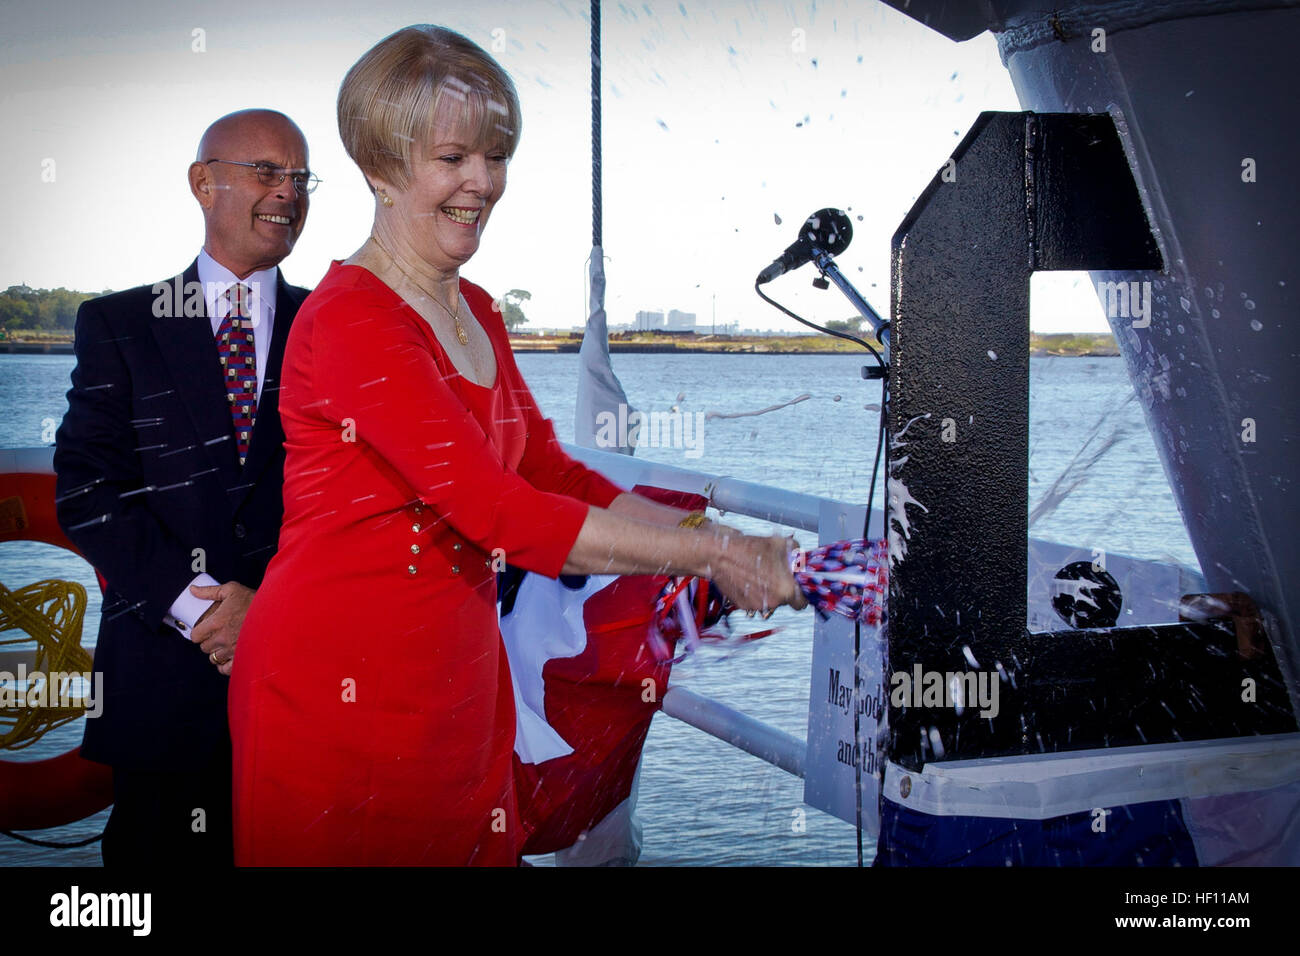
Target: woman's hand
x: 754, y: 572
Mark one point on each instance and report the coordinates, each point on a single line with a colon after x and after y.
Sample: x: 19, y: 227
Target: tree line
x: 25, y: 308
x: 22, y: 307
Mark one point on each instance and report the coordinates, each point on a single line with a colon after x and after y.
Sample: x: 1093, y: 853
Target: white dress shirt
x: 216, y: 279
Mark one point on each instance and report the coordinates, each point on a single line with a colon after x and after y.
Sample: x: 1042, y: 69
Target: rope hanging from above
x: 596, y: 230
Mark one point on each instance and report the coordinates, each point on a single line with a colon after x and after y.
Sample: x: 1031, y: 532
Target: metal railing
x: 791, y: 508
x: 777, y: 505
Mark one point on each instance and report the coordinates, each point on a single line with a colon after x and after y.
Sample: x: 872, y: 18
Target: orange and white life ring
x: 44, y: 793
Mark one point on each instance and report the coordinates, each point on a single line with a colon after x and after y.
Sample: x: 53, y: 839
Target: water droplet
x: 1250, y: 304
x: 936, y: 742
x: 993, y: 355
x: 1256, y: 325
x: 1187, y: 306
x: 1214, y: 313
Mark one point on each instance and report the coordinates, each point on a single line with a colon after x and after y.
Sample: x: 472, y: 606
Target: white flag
x: 600, y: 393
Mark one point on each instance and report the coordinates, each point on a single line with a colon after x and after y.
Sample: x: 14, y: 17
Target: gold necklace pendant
x: 461, y: 335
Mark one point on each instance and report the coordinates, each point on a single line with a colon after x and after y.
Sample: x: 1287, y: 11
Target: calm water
x: 701, y: 801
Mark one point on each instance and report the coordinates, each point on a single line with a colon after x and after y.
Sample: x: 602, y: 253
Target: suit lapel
x: 190, y: 354
x: 268, y: 434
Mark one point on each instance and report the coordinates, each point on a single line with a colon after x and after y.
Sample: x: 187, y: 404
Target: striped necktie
x: 239, y: 363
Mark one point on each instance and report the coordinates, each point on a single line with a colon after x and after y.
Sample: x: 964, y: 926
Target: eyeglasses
x: 268, y: 174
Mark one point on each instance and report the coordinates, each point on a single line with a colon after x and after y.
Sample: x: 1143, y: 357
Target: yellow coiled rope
x: 50, y: 613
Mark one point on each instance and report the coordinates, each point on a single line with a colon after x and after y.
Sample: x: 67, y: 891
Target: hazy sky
x: 718, y: 117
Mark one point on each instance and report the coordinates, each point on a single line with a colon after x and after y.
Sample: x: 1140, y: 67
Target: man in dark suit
x: 170, y: 462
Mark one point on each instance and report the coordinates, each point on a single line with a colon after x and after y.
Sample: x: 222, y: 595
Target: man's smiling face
x: 250, y: 225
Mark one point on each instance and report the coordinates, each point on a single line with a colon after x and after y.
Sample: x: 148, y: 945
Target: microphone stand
x: 825, y: 263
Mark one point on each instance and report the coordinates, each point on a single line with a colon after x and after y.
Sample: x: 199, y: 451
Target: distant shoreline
x: 1063, y: 345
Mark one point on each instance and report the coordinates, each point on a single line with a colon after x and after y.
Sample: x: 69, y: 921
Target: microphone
x: 827, y: 229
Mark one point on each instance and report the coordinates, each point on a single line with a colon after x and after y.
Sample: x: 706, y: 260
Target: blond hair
x: 414, y: 81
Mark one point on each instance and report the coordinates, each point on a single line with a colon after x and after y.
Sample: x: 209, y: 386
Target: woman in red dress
x: 370, y: 700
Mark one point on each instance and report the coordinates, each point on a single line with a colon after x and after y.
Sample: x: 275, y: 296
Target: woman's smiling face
x: 452, y: 189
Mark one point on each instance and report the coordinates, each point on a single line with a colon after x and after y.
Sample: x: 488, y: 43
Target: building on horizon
x: 679, y: 321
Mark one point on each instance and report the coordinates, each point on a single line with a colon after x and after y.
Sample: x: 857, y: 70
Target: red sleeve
x: 545, y: 463
x: 374, y: 365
